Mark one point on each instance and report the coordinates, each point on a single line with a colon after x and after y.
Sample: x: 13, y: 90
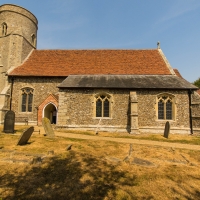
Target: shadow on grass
x: 194, y: 196
x: 66, y: 178
x: 79, y: 176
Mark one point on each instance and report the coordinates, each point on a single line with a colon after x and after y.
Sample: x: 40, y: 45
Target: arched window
x: 27, y: 100
x: 4, y: 29
x: 165, y: 107
x: 102, y: 106
x: 33, y: 40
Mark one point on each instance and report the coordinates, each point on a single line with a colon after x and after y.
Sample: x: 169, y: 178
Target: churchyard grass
x: 174, y: 138
x: 95, y: 169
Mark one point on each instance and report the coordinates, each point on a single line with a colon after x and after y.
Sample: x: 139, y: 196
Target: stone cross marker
x: 167, y: 129
x: 47, y: 127
x: 25, y: 136
x: 9, y: 122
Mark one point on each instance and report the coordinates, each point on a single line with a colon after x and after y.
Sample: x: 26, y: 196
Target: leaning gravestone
x: 167, y: 129
x: 47, y: 127
x: 9, y: 122
x: 25, y: 136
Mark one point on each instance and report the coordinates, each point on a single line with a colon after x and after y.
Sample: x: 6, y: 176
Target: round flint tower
x: 18, y: 21
x: 18, y: 37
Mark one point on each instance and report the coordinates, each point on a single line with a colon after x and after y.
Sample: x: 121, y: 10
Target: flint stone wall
x: 42, y: 88
x: 196, y: 111
x: 147, y: 114
x: 77, y: 106
x: 77, y: 110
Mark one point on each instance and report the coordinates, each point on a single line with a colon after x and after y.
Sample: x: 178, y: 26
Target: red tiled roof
x: 92, y: 62
x: 177, y: 73
x: 198, y: 91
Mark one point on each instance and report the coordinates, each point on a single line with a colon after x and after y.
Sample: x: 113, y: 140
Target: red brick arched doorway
x: 50, y: 112
x: 48, y: 108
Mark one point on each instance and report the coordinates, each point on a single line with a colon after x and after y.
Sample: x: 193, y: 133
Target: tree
x: 197, y: 82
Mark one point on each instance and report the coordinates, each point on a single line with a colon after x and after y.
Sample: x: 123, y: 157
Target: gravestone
x: 69, y: 147
x: 47, y: 127
x: 167, y: 129
x: 9, y: 122
x: 25, y: 136
x: 142, y: 162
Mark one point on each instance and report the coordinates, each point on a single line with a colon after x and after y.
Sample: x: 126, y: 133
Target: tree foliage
x: 197, y: 82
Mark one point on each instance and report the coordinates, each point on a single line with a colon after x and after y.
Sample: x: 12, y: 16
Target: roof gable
x: 116, y: 62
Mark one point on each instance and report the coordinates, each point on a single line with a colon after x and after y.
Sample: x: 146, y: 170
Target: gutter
x: 11, y: 91
x: 190, y: 110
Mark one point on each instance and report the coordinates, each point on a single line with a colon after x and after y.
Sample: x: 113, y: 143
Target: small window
x: 165, y: 107
x: 27, y: 100
x: 4, y: 29
x: 33, y: 40
x: 102, y: 106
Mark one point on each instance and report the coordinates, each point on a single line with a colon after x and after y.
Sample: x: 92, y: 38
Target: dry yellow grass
x: 95, y: 170
x: 176, y: 138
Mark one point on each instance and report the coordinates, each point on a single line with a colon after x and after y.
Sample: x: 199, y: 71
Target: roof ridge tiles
x: 94, y: 49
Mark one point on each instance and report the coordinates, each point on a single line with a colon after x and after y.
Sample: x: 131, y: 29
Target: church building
x: 134, y: 91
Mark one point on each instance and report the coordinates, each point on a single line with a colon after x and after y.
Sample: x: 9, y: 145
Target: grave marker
x: 25, y: 136
x: 9, y: 122
x: 167, y: 129
x: 142, y: 162
x: 47, y: 127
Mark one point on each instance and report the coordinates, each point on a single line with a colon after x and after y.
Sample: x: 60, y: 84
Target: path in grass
x: 126, y: 140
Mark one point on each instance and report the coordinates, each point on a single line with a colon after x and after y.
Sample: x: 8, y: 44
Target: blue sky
x: 122, y: 24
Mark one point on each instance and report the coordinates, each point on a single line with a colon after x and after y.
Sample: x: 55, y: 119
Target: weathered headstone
x: 167, y: 129
x: 69, y: 147
x: 113, y: 159
x: 36, y: 160
x: 142, y: 162
x: 25, y: 136
x: 130, y: 150
x: 47, y: 127
x: 9, y: 122
x: 96, y: 132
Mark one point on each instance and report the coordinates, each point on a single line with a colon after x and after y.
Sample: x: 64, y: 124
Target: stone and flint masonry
x: 133, y: 91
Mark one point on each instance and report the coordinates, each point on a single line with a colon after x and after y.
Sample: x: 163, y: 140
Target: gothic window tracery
x: 26, y: 100
x: 103, y: 106
x: 165, y: 107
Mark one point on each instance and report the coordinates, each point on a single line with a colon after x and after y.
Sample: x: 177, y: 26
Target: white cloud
x: 63, y: 25
x: 64, y: 7
x: 178, y: 9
